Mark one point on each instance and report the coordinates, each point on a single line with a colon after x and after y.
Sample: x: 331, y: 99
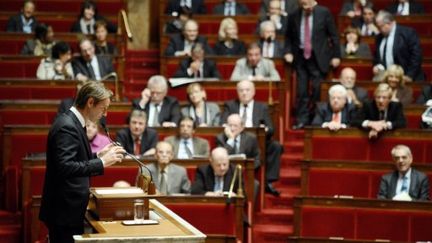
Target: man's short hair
x: 95, y: 90
x: 385, y: 17
x: 337, y: 88
x: 383, y: 88
x: 158, y: 80
x: 401, y: 147
x: 253, y: 45
x: 265, y: 24
x: 137, y: 113
x: 188, y: 118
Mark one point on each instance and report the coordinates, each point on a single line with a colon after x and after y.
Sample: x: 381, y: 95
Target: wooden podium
x: 107, y: 210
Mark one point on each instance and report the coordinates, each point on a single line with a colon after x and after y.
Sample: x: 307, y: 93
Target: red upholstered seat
x: 379, y: 224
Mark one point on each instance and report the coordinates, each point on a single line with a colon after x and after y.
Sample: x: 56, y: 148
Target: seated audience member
x: 397, y: 44
x: 256, y: 114
x: 405, y: 183
x: 196, y: 6
x: 238, y: 141
x: 97, y: 141
x: 197, y: 65
x: 355, y: 95
x: 426, y: 118
x: 353, y: 47
x: 366, y: 23
x: 215, y: 178
x: 425, y: 97
x: 58, y: 66
x: 90, y: 66
x: 353, y: 8
x: 25, y: 21
x: 203, y: 112
x: 181, y: 45
x: 286, y: 6
x: 228, y: 43
x: 176, y: 26
x: 162, y: 110
x: 276, y: 16
x: 270, y: 47
x: 405, y: 8
x: 394, y: 77
x: 381, y: 114
x: 102, y: 46
x: 168, y: 177
x: 254, y: 67
x: 230, y: 8
x: 138, y: 139
x: 336, y: 113
x: 185, y: 144
x: 42, y: 42
x: 88, y: 17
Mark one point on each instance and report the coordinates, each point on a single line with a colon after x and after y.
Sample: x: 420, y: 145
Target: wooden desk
x: 353, y: 144
x: 358, y: 219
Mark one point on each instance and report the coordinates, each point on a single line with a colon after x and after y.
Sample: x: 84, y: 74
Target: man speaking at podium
x: 70, y: 163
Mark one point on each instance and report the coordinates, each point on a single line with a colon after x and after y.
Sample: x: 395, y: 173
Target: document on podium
x: 182, y: 81
x: 127, y: 190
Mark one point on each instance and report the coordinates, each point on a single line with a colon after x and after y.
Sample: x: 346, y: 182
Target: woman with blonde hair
x: 394, y: 77
x: 228, y: 44
x: 204, y: 113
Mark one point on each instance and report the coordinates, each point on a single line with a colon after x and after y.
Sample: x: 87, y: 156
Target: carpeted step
x: 289, y: 176
x: 285, y: 200
x: 292, y: 156
x: 142, y: 62
x: 10, y: 233
x: 140, y: 73
x: 140, y: 53
x: 273, y: 216
x: 294, y: 146
x: 272, y: 233
x: 9, y: 218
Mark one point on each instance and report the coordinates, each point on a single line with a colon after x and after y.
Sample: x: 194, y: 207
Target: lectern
x: 108, y: 208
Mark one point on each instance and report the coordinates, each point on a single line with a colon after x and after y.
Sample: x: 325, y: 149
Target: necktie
x: 91, y: 71
x: 253, y: 71
x: 336, y: 117
x: 198, y: 74
x: 188, y: 151
x: 384, y: 56
x: 404, y: 187
x: 382, y: 115
x: 236, y: 146
x: 137, y: 146
x: 307, y: 52
x: 267, y: 49
x: 88, y: 29
x: 218, y: 184
x: 156, y: 115
x: 366, y: 30
x: 244, y: 115
x: 163, y: 184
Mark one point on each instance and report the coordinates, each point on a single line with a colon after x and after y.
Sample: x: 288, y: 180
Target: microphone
x: 237, y: 176
x: 102, y: 122
x: 109, y: 75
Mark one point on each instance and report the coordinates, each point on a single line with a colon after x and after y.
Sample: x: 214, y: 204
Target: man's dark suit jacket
x: 205, y: 180
x: 324, y: 113
x: 209, y: 69
x: 325, y: 38
x: 260, y: 114
x: 279, y: 49
x: 177, y: 43
x: 248, y: 146
x: 240, y: 9
x: 370, y: 112
x: 426, y: 94
x: 170, y: 111
x: 79, y: 65
x: 419, y: 186
x: 361, y: 93
x: 406, y: 52
x: 414, y: 8
x: 149, y: 139
x: 69, y: 164
x: 198, y: 7
x: 239, y: 48
x: 15, y: 23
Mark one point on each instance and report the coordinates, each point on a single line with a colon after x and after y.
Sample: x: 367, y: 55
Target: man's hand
x: 111, y: 155
x: 169, y: 124
x: 229, y: 133
x: 81, y: 77
x: 373, y: 134
x: 214, y: 194
x: 335, y: 62
x: 289, y: 58
x: 145, y: 97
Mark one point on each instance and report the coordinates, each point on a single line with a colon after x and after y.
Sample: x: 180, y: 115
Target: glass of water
x: 139, y: 210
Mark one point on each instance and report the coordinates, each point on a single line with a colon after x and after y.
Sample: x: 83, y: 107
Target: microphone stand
x: 145, y: 182
x: 237, y: 176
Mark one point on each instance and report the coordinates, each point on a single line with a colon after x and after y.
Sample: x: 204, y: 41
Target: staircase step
x: 9, y: 218
x: 141, y: 53
x: 272, y: 233
x: 142, y: 62
x: 274, y: 216
x: 10, y: 233
x: 289, y: 175
x: 292, y: 156
x: 285, y: 200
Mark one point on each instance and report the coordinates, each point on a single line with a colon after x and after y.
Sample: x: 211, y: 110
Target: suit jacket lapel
x: 393, y: 184
x: 255, y: 117
x: 81, y: 131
